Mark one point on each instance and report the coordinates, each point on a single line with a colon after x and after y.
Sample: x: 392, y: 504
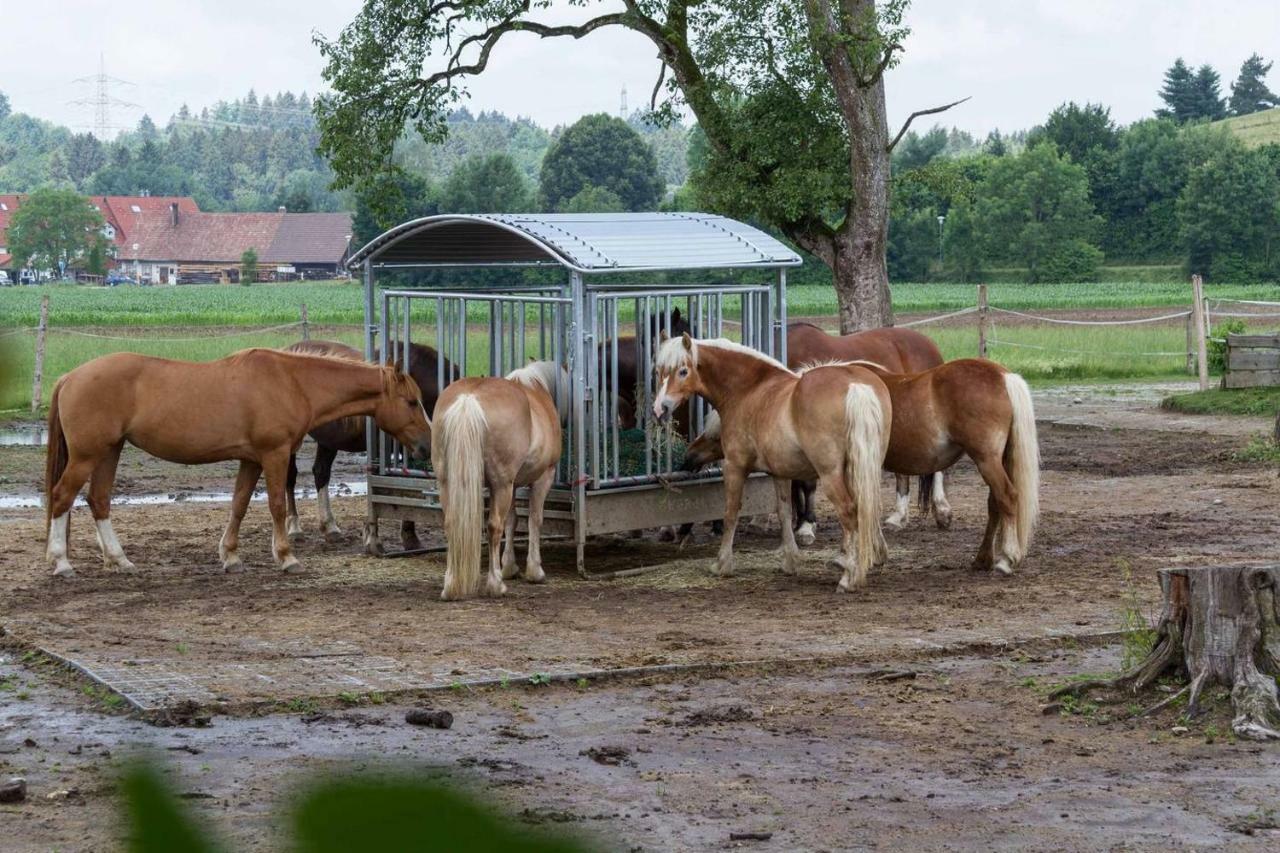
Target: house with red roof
x: 169, y: 240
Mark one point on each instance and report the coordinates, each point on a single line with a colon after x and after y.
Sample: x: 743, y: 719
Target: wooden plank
x: 1253, y: 341
x: 1253, y: 359
x: 1251, y: 379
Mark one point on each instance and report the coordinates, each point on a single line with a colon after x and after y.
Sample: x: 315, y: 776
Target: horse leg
x: 100, y: 485
x: 246, y: 480
x: 1001, y: 516
x: 941, y: 508
x: 902, y: 509
x: 294, y: 524
x: 509, y: 567
x: 61, y: 499
x: 782, y: 488
x: 409, y: 540
x: 537, y: 501
x: 734, y: 479
x: 322, y: 468
x: 501, y: 498
x: 805, y: 520
x: 276, y: 468
x: 852, y: 575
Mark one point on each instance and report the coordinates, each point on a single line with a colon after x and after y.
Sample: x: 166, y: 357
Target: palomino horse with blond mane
x: 969, y: 406
x: 897, y: 350
x: 503, y: 433
x: 829, y: 424
x: 255, y: 406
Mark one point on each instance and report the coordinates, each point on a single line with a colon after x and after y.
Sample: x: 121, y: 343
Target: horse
x: 630, y: 357
x: 347, y: 434
x: 829, y: 423
x: 254, y: 406
x: 969, y: 406
x: 898, y: 350
x: 503, y: 433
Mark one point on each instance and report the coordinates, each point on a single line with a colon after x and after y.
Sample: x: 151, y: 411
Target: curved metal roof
x: 585, y: 242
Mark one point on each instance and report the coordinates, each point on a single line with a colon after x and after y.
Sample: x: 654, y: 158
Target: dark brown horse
x: 899, y: 351
x: 630, y: 358
x: 347, y: 434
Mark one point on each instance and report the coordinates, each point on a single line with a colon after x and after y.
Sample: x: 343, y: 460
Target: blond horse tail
x: 864, y: 419
x: 1022, y: 463
x: 55, y: 457
x: 459, y: 463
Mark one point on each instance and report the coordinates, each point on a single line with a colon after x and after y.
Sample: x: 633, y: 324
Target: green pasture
x: 342, y: 302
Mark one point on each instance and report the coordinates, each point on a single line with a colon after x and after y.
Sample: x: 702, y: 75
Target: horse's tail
x: 1022, y: 463
x: 56, y: 457
x: 925, y: 498
x: 459, y: 463
x: 864, y: 419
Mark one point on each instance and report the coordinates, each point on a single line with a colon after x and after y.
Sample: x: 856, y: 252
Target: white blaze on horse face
x: 660, y: 398
x: 56, y: 553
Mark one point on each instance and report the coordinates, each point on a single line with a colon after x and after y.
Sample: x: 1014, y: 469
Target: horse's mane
x: 838, y: 362
x: 671, y: 354
x: 550, y: 377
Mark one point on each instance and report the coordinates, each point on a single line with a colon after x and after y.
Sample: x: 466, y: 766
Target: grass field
x: 341, y: 302
x: 202, y: 324
x: 1256, y: 128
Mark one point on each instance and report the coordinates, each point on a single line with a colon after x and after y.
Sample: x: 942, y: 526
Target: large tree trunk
x: 1220, y: 625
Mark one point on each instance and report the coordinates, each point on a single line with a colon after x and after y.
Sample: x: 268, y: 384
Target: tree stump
x: 1220, y: 625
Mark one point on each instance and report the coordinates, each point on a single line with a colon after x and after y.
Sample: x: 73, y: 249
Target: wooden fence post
x: 1198, y: 312
x: 983, y: 320
x: 306, y: 327
x: 1191, y: 342
x: 37, y: 381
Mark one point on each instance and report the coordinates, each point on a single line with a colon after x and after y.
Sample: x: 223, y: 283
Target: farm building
x: 169, y: 240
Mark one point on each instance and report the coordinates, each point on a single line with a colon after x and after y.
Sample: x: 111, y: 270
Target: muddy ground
x: 809, y: 747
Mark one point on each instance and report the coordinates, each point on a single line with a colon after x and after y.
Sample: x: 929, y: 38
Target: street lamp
x: 941, y: 219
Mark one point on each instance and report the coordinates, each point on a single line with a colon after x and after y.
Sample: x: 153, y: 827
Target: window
x: 3, y: 206
x: 108, y: 231
x: 135, y: 208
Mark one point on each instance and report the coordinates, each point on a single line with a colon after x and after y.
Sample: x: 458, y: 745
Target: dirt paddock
x: 756, y: 703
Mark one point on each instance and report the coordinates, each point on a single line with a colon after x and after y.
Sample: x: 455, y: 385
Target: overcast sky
x: 1017, y: 58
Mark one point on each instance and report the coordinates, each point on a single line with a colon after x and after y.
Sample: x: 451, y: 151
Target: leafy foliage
x: 248, y: 267
x: 491, y: 184
x: 1229, y: 213
x: 601, y: 151
x: 53, y: 225
x: 1249, y: 93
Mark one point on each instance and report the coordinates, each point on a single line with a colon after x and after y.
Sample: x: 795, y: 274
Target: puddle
x: 343, y: 489
x: 31, y: 436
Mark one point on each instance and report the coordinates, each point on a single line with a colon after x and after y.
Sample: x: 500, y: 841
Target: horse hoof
x: 805, y: 539
x: 64, y: 570
x: 233, y: 567
x: 291, y: 567
x: 539, y: 577
x: 126, y: 566
x: 894, y: 522
x: 943, y: 521
x: 495, y: 591
x: 1003, y: 566
x: 666, y: 534
x: 296, y: 536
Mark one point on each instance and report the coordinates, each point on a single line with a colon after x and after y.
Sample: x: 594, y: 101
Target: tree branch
x: 915, y: 115
x: 490, y: 37
x: 662, y: 76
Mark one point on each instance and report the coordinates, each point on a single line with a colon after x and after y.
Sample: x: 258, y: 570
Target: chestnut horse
x: 830, y: 424
x: 630, y: 359
x: 255, y: 406
x: 898, y: 350
x: 347, y: 434
x: 503, y: 433
x: 969, y: 406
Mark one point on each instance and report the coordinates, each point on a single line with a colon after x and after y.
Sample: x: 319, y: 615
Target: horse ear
x: 662, y: 336
x: 675, y: 316
x: 688, y: 341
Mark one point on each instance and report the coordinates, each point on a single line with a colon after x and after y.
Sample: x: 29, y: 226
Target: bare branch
x: 490, y: 37
x: 915, y: 115
x: 881, y: 66
x: 657, y: 87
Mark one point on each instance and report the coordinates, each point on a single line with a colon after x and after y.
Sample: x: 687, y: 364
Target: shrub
x: 1217, y: 343
x: 1074, y: 260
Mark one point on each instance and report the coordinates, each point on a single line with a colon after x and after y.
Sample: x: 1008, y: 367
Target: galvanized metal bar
x: 782, y: 316
x: 580, y: 358
x: 613, y: 396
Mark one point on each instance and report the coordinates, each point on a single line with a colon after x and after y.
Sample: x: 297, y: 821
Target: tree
x: 5, y: 109
x: 1178, y: 93
x: 53, y: 225
x: 249, y: 267
x: 601, y: 151
x: 916, y: 150
x: 790, y: 96
x: 387, y: 200
x: 593, y: 199
x: 96, y: 261
x: 1229, y: 213
x: 1080, y: 132
x: 84, y: 156
x: 1249, y: 94
x: 1034, y: 209
x: 1208, y: 95
x: 492, y: 184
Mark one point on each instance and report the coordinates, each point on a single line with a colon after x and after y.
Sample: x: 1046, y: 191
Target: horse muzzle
x: 662, y: 410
